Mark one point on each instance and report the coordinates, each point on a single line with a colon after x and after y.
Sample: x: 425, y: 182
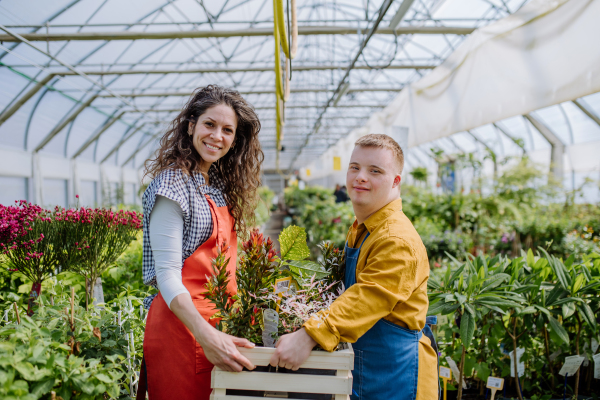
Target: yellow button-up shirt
x: 391, y: 283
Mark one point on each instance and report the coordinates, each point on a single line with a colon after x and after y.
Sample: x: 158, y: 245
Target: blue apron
x: 386, y: 357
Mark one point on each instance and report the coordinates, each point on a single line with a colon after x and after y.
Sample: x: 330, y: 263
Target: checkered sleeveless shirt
x: 188, y: 192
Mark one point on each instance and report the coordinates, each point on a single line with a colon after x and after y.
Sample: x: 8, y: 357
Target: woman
x: 205, y: 177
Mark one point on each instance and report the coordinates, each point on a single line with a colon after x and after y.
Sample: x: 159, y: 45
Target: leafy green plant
x: 476, y: 288
x: 71, y: 351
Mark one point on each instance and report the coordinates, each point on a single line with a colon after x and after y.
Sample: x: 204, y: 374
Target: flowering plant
x: 259, y: 267
x: 91, y: 240
x: 25, y: 238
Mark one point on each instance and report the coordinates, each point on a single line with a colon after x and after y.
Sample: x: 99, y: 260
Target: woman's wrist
x: 202, y: 330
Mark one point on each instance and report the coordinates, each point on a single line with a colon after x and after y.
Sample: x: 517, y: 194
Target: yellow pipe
x: 279, y: 18
x: 278, y: 78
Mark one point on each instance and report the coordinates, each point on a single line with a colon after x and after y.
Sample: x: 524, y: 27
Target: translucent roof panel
x: 142, y: 59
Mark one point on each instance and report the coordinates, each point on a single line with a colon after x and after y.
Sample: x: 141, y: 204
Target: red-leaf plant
x: 257, y: 270
x: 91, y: 240
x: 26, y: 233
x: 259, y: 267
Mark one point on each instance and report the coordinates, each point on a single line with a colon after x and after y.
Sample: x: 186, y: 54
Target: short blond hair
x: 383, y: 142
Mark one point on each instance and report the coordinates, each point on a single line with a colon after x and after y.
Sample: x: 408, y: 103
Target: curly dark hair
x: 239, y: 169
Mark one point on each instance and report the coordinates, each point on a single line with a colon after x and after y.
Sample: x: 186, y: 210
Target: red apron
x: 175, y: 363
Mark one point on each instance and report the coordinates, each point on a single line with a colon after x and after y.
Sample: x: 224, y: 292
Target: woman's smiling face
x: 213, y: 133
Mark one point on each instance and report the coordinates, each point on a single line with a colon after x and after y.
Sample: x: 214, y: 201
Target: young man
x: 383, y: 310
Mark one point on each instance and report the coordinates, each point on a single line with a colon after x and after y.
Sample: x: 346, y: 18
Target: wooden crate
x: 339, y: 385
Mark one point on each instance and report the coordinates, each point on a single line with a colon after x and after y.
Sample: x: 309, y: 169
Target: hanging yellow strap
x: 289, y: 49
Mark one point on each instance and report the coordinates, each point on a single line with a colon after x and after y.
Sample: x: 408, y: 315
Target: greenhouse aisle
x: 273, y: 227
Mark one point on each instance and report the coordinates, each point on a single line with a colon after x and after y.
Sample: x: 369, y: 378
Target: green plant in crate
x: 259, y: 267
x: 470, y: 292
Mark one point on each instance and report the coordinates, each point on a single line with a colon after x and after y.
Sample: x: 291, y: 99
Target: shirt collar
x: 382, y: 214
x: 215, y: 183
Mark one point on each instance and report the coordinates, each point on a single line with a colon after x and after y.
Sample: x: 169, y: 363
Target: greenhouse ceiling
x: 97, y: 81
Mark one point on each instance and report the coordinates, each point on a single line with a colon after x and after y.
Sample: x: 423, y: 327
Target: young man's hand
x: 292, y: 350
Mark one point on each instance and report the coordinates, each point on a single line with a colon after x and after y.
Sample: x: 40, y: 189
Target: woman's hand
x: 219, y: 348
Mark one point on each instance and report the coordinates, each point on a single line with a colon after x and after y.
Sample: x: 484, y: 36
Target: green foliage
x: 325, y: 220
x: 263, y: 208
x: 419, y: 174
x: 95, y: 357
x: 292, y: 241
x: 537, y: 302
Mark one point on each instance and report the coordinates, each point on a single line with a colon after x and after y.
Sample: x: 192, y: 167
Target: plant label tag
x: 520, y: 364
x: 594, y: 345
x: 455, y: 371
x: 442, y: 320
x: 495, y: 383
x: 597, y: 366
x: 271, y: 322
x: 571, y: 365
x: 445, y: 373
x: 555, y: 354
x: 282, y: 285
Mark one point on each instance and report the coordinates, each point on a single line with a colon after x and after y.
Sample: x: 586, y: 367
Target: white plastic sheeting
x: 544, y: 54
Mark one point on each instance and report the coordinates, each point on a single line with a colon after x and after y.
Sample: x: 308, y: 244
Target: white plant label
x: 442, y: 320
x: 445, y: 372
x: 594, y: 345
x: 597, y: 366
x: 270, y: 320
x: 455, y: 371
x: 495, y: 383
x: 520, y: 364
x: 571, y: 365
x: 555, y: 354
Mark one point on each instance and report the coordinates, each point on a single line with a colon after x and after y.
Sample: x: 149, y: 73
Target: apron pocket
x: 202, y: 363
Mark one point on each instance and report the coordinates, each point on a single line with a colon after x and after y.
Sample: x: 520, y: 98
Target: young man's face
x: 373, y: 178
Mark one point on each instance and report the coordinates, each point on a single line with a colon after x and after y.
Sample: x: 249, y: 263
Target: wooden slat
x: 231, y: 397
x: 299, y: 383
x: 341, y: 359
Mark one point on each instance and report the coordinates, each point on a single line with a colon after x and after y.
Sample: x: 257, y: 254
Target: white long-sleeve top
x: 166, y: 236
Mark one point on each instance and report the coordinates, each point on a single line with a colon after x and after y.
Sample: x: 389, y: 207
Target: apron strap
x: 363, y: 242
x: 215, y: 218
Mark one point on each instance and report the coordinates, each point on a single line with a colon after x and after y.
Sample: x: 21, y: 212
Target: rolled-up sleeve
x: 388, y: 278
